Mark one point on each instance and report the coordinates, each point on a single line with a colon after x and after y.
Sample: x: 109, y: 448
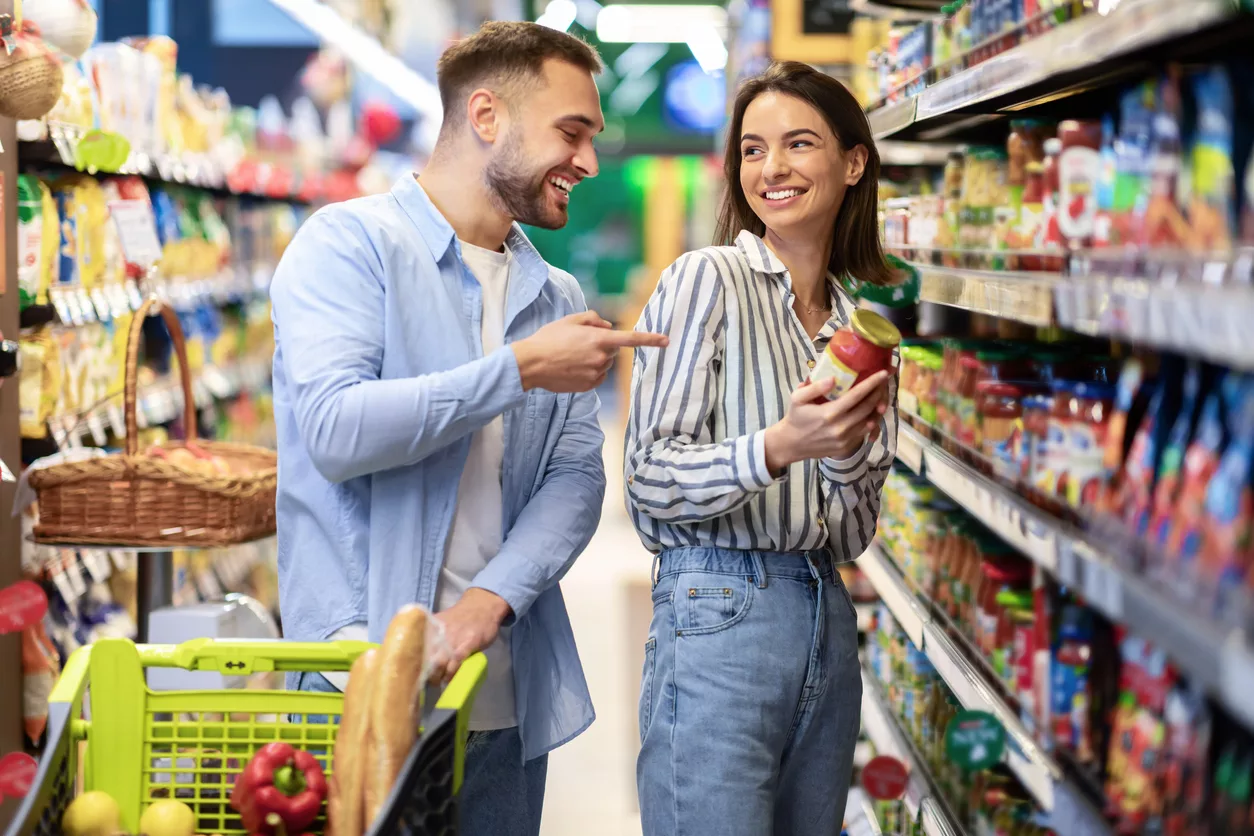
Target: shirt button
x: 810, y: 363
x: 820, y: 520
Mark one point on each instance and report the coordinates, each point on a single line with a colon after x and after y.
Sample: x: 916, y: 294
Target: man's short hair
x: 500, y: 56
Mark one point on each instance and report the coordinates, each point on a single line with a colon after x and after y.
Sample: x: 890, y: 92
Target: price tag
x: 56, y: 295
x: 1103, y: 587
x: 123, y: 560
x: 62, y: 582
x: 21, y: 605
x: 884, y: 778
x: 57, y: 426
x: 100, y: 302
x: 1068, y: 570
x: 97, y: 563
x: 96, y: 426
x: 17, y: 774
x: 142, y: 421
x: 910, y: 449
x: 86, y: 305
x: 117, y: 420
x: 137, y: 231
x: 134, y: 297
x: 119, y: 305
x: 74, y: 572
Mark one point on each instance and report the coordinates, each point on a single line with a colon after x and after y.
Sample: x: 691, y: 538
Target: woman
x: 751, y: 485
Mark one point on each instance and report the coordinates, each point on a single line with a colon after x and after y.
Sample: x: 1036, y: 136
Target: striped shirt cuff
x: 848, y: 470
x: 751, y: 470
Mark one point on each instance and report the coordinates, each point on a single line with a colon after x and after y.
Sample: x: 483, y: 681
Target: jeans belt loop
x: 759, y: 568
x: 656, y: 570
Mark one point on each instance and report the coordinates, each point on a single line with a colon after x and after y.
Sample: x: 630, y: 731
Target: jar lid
x: 998, y: 389
x: 874, y: 328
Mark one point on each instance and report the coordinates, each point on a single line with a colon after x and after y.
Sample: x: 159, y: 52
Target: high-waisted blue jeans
x: 751, y: 696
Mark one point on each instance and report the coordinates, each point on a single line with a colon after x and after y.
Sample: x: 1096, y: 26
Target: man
x: 438, y: 437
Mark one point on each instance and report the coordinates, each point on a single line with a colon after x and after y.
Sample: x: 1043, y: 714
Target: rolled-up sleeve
x: 674, y: 470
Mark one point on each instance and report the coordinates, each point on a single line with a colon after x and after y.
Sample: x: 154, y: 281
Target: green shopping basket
x: 108, y: 731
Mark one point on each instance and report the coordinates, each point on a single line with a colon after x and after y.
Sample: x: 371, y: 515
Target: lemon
x: 168, y: 818
x: 93, y: 813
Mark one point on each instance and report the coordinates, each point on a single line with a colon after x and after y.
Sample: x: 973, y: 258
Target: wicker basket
x: 30, y: 79
x: 140, y: 499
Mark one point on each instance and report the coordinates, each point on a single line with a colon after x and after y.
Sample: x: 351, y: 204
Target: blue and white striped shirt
x: 695, y: 456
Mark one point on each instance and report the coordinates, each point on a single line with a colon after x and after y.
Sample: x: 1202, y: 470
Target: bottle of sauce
x: 1031, y: 213
x: 1050, y: 236
x: 1079, y: 171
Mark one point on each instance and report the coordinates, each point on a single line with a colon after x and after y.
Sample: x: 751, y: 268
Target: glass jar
x: 1090, y: 405
x: 1000, y: 411
x: 857, y: 351
x: 965, y: 418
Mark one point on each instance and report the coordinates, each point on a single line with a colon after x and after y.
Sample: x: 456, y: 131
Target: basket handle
x: 244, y: 658
x: 132, y: 364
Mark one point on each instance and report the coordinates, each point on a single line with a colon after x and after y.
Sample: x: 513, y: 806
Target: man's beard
x: 518, y: 194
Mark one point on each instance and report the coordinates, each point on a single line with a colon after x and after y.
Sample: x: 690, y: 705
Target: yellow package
x: 120, y: 328
x: 33, y: 416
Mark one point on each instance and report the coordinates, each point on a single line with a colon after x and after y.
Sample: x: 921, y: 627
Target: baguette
x: 396, y: 708
x: 346, y: 800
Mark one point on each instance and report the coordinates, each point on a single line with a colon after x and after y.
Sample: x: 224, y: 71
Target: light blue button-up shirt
x: 379, y: 383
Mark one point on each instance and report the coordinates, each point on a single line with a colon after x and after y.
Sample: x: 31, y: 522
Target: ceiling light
x: 367, y: 55
x: 708, y: 48
x: 640, y: 23
x: 559, y: 15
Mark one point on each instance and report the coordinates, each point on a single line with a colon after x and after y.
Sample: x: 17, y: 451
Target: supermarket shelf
x: 1196, y: 318
x: 49, y: 153
x: 1213, y: 655
x: 1069, y: 811
x: 1080, y: 46
x: 913, y: 153
x: 890, y: 739
x: 1023, y: 297
x: 159, y: 403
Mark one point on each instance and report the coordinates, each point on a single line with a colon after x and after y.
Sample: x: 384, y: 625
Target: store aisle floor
x: 591, y: 784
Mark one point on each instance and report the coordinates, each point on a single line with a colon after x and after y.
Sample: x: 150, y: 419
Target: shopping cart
x: 108, y: 731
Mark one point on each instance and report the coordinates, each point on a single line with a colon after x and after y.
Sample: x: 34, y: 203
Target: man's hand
x: 470, y: 626
x: 575, y: 353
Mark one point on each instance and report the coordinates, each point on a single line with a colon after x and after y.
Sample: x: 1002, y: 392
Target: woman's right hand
x: 816, y: 428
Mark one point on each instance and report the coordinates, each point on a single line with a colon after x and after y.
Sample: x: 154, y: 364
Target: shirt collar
x: 438, y: 233
x: 762, y: 260
x: 759, y: 256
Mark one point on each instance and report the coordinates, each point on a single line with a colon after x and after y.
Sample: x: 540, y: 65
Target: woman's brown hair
x: 856, y: 250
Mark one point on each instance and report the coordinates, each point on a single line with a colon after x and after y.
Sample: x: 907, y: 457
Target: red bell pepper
x: 281, y: 790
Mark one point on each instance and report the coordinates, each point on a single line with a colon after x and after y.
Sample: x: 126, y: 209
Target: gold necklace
x: 813, y: 311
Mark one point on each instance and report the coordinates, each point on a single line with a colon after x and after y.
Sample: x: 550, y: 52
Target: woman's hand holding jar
x: 816, y: 428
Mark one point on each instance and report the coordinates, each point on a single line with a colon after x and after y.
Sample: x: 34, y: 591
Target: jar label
x: 1078, y: 173
x: 829, y: 367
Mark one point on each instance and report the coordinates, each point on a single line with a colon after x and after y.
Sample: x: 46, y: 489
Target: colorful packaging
x: 1211, y: 213
x: 1229, y: 505
x: 1069, y: 681
x: 1167, y: 483
x: 1181, y: 534
x: 1186, y: 755
x: 1164, y: 225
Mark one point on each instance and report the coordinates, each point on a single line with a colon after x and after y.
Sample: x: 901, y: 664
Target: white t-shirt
x: 475, y: 537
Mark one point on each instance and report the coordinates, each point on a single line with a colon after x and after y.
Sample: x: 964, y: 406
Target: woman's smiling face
x: 793, y: 171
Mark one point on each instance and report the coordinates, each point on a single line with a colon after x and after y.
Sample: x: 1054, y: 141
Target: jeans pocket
x: 709, y: 603
x: 646, y: 687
